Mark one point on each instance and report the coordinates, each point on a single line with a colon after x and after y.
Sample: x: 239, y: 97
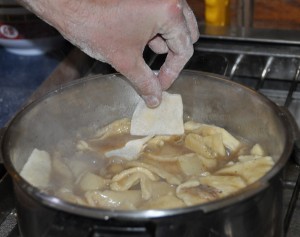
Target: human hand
x: 117, y: 31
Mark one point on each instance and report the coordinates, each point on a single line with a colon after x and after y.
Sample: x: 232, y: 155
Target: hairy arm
x: 117, y: 31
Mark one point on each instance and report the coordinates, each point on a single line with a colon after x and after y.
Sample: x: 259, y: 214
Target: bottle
x: 217, y: 12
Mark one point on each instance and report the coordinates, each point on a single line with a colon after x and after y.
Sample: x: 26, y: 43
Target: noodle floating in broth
x: 203, y: 164
x: 128, y: 166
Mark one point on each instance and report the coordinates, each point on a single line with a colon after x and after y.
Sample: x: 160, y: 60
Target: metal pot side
x: 93, y: 102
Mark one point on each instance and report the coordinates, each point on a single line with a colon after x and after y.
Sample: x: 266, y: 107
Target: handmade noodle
x: 204, y: 164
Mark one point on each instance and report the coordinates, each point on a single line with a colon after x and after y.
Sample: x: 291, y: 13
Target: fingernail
x: 151, y: 101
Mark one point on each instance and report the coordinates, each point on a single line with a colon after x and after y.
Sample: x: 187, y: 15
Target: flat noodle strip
x: 171, y: 171
x: 171, y: 179
x: 166, y: 119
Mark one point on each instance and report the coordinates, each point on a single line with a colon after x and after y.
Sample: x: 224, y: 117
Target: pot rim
x: 60, y: 205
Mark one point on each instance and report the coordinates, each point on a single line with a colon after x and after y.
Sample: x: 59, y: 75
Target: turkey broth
x: 115, y: 170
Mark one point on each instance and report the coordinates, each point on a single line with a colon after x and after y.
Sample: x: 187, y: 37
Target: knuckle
x: 174, y: 7
x: 189, y: 52
x: 186, y: 53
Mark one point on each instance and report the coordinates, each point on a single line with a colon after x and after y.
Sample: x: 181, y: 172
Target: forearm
x: 117, y: 31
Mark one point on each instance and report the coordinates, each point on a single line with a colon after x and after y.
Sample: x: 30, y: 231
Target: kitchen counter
x: 21, y: 75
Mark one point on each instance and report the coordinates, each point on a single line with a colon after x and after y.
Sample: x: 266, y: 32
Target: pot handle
x: 2, y: 130
x: 295, y: 132
x: 64, y: 224
x: 116, y: 232
x: 99, y: 232
x: 296, y: 156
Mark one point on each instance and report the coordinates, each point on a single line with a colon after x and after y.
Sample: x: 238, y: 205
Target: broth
x: 204, y: 164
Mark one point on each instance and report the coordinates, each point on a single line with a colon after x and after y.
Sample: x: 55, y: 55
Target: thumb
x: 144, y: 80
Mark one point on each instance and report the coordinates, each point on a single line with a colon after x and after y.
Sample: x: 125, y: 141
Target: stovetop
x: 269, y: 65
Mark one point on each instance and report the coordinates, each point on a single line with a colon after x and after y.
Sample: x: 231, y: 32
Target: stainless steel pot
x: 79, y: 108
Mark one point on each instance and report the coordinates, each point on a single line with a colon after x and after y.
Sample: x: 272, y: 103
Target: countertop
x: 21, y: 75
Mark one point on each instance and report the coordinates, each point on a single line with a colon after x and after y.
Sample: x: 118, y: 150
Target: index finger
x: 191, y: 21
x: 180, y: 51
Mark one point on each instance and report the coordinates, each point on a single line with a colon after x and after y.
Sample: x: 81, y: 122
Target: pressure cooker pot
x: 83, y: 106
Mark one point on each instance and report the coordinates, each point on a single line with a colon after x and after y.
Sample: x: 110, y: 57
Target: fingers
x: 148, y: 86
x: 179, y: 40
x: 180, y: 51
x: 175, y: 34
x: 158, y: 45
x: 171, y: 68
x: 191, y: 22
x: 142, y: 78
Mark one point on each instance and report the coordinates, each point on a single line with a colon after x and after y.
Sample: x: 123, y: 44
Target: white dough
x: 37, y: 169
x: 131, y: 150
x: 166, y: 119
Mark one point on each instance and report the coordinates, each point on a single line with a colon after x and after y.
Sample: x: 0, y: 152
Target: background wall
x: 276, y: 14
